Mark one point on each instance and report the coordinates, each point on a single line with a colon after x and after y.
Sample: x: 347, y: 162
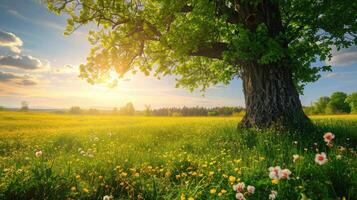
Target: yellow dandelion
x: 85, y: 190
x: 232, y: 179
x: 220, y: 194
x: 238, y: 161
x: 223, y: 191
x: 100, y: 177
x: 136, y: 174
x: 213, y: 190
x: 78, y: 177
x: 182, y: 197
x: 275, y: 181
x: 211, y: 173
x: 191, y: 198
x: 123, y: 174
x: 73, y: 189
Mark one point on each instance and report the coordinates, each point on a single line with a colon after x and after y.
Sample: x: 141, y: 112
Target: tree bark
x: 271, y: 99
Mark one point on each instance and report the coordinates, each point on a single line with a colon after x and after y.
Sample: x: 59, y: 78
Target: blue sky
x: 35, y: 35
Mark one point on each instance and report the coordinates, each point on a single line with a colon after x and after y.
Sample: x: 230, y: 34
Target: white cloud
x: 25, y: 80
x: 332, y: 75
x: 343, y: 57
x: 19, y: 61
x: 10, y: 41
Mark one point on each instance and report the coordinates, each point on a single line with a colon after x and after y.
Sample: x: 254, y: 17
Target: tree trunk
x: 271, y: 99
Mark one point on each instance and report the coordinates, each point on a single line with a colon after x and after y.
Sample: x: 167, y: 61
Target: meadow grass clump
x: 49, y: 156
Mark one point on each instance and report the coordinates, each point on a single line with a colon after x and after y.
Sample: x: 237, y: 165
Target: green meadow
x: 60, y: 156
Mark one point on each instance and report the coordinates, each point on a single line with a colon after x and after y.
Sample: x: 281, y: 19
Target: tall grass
x: 88, y: 157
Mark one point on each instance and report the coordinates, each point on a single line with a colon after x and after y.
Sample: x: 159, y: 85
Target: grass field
x: 52, y: 156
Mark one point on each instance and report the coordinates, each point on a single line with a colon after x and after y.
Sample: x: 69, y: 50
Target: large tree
x: 269, y: 44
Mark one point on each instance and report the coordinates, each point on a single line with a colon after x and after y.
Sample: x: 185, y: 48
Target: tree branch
x: 214, y: 50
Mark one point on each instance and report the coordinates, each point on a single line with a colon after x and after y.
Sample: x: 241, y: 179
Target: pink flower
x: 296, y: 157
x: 328, y: 137
x: 285, y: 173
x: 239, y: 187
x: 273, y: 195
x: 38, y: 153
x: 320, y: 158
x: 250, y: 189
x: 240, y: 196
x: 275, y: 172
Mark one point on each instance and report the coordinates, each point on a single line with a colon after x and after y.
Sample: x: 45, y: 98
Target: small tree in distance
x: 148, y: 111
x: 75, y: 110
x: 24, y: 106
x: 128, y: 109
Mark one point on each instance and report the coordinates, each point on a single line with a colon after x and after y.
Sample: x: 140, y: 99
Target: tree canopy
x: 205, y: 42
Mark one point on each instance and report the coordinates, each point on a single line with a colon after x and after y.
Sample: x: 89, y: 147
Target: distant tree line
x: 197, y: 111
x: 129, y: 110
x: 337, y: 103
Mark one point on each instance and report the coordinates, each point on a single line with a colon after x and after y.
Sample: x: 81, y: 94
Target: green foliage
x: 88, y: 157
x: 352, y: 101
x: 206, y: 42
x: 321, y: 105
x: 337, y: 103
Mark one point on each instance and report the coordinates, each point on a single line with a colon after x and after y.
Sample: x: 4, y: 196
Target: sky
x: 38, y: 64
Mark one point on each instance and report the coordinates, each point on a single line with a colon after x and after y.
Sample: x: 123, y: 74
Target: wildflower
x: 341, y: 148
x: 295, y: 142
x: 240, y: 196
x: 223, y: 191
x: 191, y: 198
x: 85, y: 190
x: 211, y: 173
x: 275, y: 181
x: 136, y: 174
x: 78, y: 177
x: 320, y: 158
x: 239, y: 187
x: 296, y: 157
x: 38, y: 153
x: 168, y: 174
x: 250, y: 189
x: 273, y: 195
x: 107, y: 197
x: 328, y: 137
x: 73, y: 189
x: 213, y: 190
x: 338, y: 157
x: 285, y: 173
x: 275, y: 172
x: 182, y: 197
x: 220, y: 194
x: 232, y: 179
